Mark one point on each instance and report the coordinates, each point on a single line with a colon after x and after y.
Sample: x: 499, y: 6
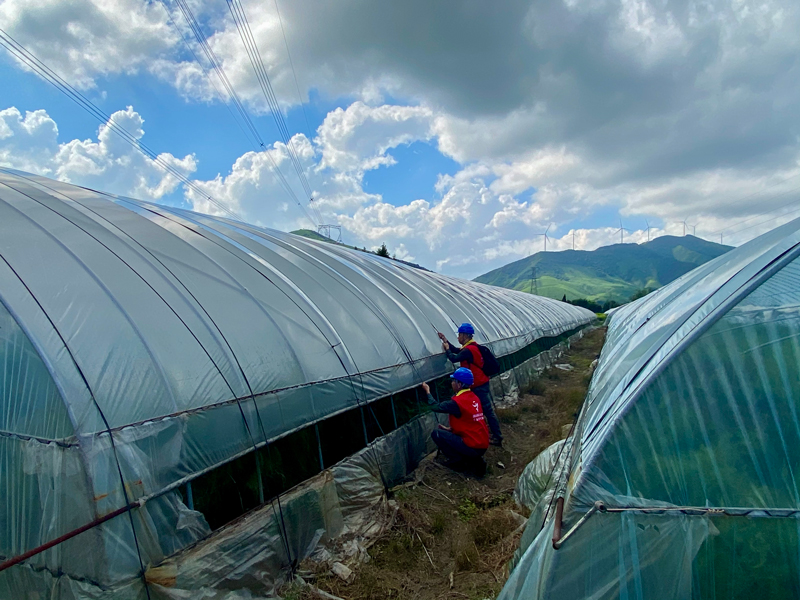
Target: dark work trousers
x: 485, y: 396
x: 454, y: 448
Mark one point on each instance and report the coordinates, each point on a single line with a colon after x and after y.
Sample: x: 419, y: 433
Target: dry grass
x: 454, y: 525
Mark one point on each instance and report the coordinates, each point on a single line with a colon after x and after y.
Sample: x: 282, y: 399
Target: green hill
x: 609, y: 273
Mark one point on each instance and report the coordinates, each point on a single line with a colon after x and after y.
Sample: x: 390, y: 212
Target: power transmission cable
x: 28, y: 59
x: 299, y: 94
x: 216, y: 65
x: 294, y: 73
x: 201, y: 65
x: 253, y: 53
x: 750, y: 218
x: 764, y: 221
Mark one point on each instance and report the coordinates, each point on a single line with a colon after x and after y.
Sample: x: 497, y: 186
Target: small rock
x: 343, y: 572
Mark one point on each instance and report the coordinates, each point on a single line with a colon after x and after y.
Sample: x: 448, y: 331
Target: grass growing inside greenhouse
x: 454, y: 535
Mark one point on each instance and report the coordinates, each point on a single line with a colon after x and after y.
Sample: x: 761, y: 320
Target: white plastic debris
x: 343, y: 572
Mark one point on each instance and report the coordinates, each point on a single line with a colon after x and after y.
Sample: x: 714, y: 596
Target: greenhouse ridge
x: 147, y: 347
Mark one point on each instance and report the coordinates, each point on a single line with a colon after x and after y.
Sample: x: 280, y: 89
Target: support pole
x: 319, y: 447
x: 557, y: 527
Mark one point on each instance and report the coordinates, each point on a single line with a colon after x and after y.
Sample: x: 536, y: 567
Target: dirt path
x: 454, y: 535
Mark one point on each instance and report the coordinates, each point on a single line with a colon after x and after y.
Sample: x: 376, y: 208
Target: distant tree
x: 641, y: 293
x: 383, y: 251
x: 590, y: 304
x: 607, y: 306
x: 564, y: 299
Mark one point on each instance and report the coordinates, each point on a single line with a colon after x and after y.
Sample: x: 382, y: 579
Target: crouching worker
x: 465, y: 442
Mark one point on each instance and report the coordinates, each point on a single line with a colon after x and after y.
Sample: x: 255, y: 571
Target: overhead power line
x: 260, y: 70
x: 311, y: 198
x: 216, y: 65
x: 294, y: 73
x: 28, y: 59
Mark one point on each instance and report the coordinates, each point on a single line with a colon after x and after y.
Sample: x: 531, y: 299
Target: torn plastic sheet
x: 347, y: 501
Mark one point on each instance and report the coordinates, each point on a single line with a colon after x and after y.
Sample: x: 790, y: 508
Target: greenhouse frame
x: 679, y: 479
x: 189, y: 400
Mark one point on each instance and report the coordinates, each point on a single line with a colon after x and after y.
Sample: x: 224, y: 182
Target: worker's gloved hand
x: 426, y: 387
x: 445, y: 428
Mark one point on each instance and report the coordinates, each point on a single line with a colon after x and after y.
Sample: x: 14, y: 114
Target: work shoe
x: 497, y: 442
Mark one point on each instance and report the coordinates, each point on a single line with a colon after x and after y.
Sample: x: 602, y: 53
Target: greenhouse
x: 680, y: 478
x: 193, y: 401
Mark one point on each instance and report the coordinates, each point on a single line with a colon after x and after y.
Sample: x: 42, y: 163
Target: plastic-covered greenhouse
x: 165, y: 374
x: 680, y: 479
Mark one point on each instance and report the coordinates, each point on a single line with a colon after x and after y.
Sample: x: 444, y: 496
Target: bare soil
x: 454, y: 534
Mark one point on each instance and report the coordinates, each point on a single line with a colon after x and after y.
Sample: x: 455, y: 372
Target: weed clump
x: 492, y: 528
x: 537, y: 388
x: 509, y: 415
x: 467, y: 510
x: 439, y: 523
x: 467, y: 559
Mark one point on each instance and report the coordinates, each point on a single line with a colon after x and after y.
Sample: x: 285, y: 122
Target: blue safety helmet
x: 463, y: 375
x: 466, y: 328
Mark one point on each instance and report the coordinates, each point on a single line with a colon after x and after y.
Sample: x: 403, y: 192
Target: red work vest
x: 470, y: 426
x: 476, y: 366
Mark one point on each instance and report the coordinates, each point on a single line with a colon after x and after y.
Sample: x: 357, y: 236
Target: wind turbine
x: 621, y: 232
x: 545, y: 237
x: 648, y: 229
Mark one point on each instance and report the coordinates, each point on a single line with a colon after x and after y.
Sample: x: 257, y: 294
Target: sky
x: 456, y: 133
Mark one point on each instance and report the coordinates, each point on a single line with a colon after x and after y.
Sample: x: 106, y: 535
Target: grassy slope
x: 453, y: 526
x: 312, y: 235
x: 608, y: 273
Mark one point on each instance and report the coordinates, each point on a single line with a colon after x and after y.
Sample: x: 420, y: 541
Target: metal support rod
x: 364, y: 425
x: 189, y: 496
x: 63, y: 538
x: 394, y: 414
x: 260, y: 480
x: 557, y: 526
x: 319, y: 447
x: 598, y: 506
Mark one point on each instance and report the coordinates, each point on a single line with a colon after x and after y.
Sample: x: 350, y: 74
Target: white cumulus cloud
x: 30, y: 143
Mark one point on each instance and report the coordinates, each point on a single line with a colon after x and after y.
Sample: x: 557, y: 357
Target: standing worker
x: 470, y: 357
x: 466, y: 440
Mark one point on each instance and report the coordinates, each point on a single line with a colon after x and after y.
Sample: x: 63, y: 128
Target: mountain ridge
x: 612, y: 272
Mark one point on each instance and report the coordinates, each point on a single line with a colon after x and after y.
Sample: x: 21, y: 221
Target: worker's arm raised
x: 447, y: 407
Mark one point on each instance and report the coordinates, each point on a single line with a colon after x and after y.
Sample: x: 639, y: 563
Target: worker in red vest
x: 469, y: 356
x: 465, y: 441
